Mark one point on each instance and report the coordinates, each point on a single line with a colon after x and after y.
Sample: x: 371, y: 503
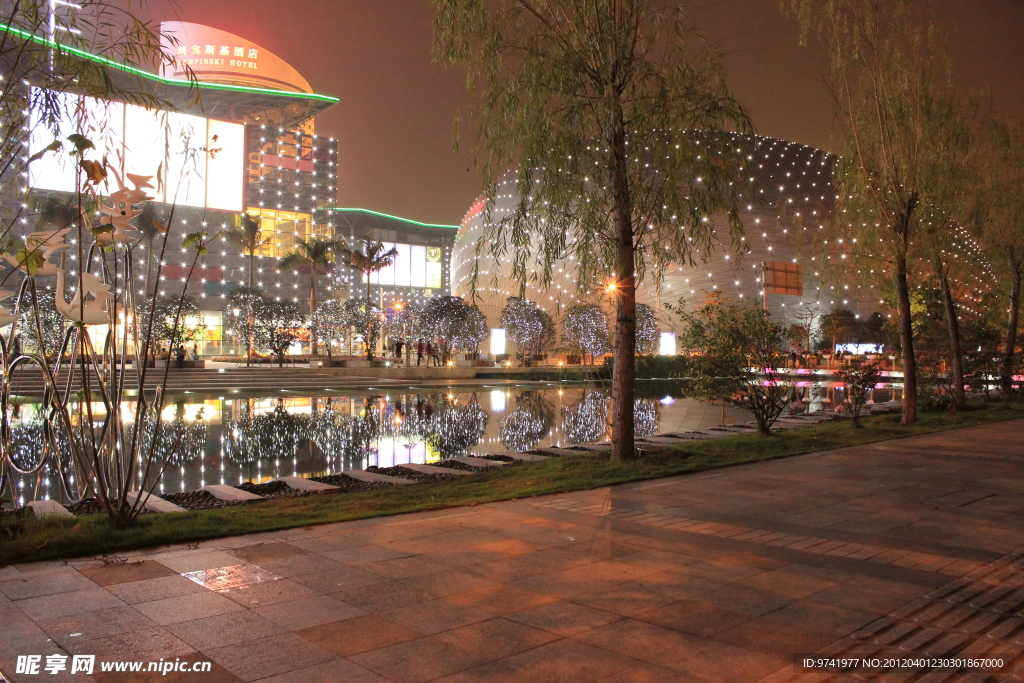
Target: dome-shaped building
x: 783, y: 217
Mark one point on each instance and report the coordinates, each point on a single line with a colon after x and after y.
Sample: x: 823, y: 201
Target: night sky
x: 394, y: 121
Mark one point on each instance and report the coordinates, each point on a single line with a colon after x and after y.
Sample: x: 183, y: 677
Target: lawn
x: 30, y: 539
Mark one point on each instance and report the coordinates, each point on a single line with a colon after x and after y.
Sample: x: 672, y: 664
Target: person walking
x: 398, y: 349
x: 419, y: 352
x: 180, y: 355
x: 430, y: 353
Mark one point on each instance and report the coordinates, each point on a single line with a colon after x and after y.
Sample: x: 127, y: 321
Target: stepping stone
x: 303, y: 484
x: 48, y: 508
x: 660, y: 440
x: 153, y: 503
x: 225, y: 492
x: 593, y: 446
x: 431, y: 469
x: 711, y: 434
x: 478, y: 462
x: 523, y: 457
x: 374, y: 478
x: 556, y: 451
x: 686, y: 436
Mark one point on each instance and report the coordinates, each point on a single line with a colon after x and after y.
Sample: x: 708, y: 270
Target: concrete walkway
x: 908, y: 546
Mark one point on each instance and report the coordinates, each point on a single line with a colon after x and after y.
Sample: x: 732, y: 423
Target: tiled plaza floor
x: 901, y: 546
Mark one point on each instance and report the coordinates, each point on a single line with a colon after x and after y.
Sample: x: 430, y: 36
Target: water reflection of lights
x: 587, y: 419
x: 256, y: 439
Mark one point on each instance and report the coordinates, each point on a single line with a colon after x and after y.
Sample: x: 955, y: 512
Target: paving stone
x: 224, y: 492
x: 374, y: 478
x: 153, y: 502
x: 303, y: 484
x: 431, y: 469
x: 478, y: 462
x: 48, y: 508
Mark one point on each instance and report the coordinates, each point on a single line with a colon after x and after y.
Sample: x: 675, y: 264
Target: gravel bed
x: 9, y: 516
x: 86, y: 506
x: 198, y: 500
x: 406, y: 473
x: 273, y: 489
x: 348, y: 484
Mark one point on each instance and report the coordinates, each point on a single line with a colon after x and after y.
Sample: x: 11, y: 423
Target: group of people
x: 180, y: 354
x: 426, y: 351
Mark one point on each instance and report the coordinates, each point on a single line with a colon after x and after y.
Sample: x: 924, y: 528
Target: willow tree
x: 999, y: 223
x: 598, y: 102
x: 949, y: 178
x: 890, y: 99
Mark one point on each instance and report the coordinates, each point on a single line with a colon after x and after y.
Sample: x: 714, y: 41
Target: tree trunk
x: 1010, y: 343
x: 252, y: 261
x: 953, y: 325
x: 907, y: 341
x: 312, y: 308
x: 149, y: 269
x: 625, y: 300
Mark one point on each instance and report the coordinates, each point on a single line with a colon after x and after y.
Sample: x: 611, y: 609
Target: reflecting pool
x: 235, y: 439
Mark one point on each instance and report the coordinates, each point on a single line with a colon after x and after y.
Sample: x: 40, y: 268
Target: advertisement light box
x: 201, y: 160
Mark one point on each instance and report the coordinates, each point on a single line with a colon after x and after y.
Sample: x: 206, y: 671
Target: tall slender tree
x: 371, y: 258
x: 599, y: 104
x: 318, y: 254
x: 248, y: 236
x: 999, y: 223
x: 885, y: 79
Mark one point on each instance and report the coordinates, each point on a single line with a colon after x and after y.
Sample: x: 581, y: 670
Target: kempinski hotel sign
x: 216, y: 56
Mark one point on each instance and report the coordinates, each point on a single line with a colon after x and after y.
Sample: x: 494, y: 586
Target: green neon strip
x: 405, y: 220
x: 156, y: 77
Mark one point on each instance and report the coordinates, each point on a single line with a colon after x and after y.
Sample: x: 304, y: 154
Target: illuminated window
x: 785, y: 278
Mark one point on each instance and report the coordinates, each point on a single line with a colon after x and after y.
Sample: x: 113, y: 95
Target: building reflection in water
x: 233, y: 440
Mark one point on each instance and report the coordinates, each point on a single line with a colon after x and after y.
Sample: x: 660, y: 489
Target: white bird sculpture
x: 119, y: 215
x: 6, y: 315
x: 48, y: 243
x: 90, y: 312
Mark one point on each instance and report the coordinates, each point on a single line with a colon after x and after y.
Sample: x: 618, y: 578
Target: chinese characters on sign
x: 218, y: 55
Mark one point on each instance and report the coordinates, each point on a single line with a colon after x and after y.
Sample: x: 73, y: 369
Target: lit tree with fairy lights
x: 453, y: 324
x: 281, y: 321
x: 405, y: 323
x: 330, y: 324
x: 585, y: 331
x: 528, y: 326
x: 241, y: 322
x: 646, y: 330
x: 48, y: 336
x: 364, y: 317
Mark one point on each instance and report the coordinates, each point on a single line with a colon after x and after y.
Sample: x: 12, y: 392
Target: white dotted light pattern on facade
x: 785, y: 255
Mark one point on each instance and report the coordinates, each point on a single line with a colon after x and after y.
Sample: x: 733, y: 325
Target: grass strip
x: 31, y: 539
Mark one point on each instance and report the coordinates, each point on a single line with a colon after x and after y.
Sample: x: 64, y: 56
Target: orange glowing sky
x: 394, y: 122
